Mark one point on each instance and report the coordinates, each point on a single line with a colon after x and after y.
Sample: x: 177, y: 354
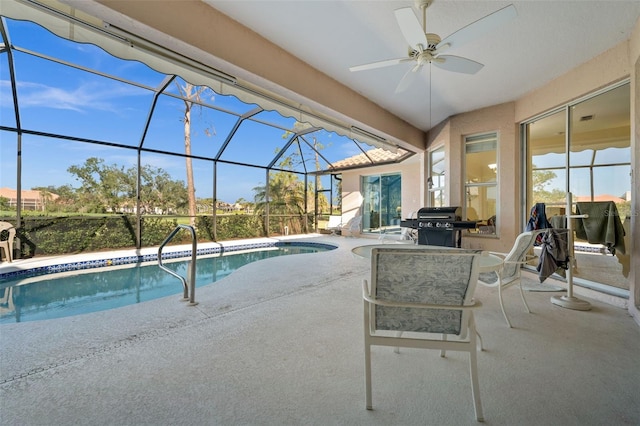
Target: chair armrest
x: 365, y: 289
x: 499, y: 254
x: 521, y: 262
x: 394, y: 304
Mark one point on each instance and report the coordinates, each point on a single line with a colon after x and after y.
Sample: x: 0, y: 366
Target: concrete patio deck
x: 279, y: 342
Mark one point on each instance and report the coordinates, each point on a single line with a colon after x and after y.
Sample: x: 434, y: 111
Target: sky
x: 55, y: 98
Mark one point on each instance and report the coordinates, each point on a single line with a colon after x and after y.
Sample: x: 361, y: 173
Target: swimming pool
x: 82, y: 291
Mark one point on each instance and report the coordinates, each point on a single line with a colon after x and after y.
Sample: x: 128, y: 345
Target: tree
x: 4, y: 203
x: 191, y: 94
x: 102, y: 188
x: 159, y: 193
x: 67, y: 200
x: 111, y: 188
x: 295, y: 159
x: 540, y: 180
x: 286, y: 196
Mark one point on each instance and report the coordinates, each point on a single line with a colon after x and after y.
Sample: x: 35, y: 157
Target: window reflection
x: 481, y: 175
x: 595, y: 169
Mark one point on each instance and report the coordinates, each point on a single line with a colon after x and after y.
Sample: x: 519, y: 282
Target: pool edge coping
x: 67, y: 263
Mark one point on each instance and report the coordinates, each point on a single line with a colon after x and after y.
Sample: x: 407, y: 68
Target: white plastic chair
x: 353, y: 226
x: 6, y: 245
x: 420, y: 291
x: 509, y: 273
x: 334, y: 225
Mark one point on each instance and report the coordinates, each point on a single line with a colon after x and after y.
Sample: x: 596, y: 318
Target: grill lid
x: 439, y: 213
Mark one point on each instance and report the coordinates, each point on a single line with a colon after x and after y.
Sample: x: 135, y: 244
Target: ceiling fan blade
x: 478, y: 28
x: 457, y: 64
x: 411, y: 28
x: 379, y: 64
x: 408, y: 78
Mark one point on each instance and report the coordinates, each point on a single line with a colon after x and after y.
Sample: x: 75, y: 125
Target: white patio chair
x: 509, y: 273
x: 353, y: 226
x: 6, y: 243
x: 334, y: 225
x: 416, y: 292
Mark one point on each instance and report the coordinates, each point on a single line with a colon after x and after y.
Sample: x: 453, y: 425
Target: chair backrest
x: 354, y: 224
x: 10, y: 231
x: 520, y: 248
x: 423, y: 275
x: 334, y: 222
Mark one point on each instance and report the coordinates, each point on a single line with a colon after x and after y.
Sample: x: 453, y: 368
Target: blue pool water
x: 57, y: 295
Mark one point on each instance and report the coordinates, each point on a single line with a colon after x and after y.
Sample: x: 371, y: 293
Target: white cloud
x: 84, y: 97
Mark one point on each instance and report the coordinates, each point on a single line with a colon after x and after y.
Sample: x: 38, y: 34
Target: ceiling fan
x: 427, y: 48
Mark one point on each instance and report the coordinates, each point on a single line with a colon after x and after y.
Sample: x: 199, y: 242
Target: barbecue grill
x: 439, y: 226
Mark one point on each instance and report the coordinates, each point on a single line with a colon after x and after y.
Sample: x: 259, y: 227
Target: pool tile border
x: 150, y: 257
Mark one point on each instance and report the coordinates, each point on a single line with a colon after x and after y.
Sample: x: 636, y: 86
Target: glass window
x: 596, y: 169
x: 481, y: 178
x: 547, y: 158
x: 436, y: 179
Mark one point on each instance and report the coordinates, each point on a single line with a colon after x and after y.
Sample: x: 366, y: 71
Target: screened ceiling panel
x: 209, y: 128
x: 72, y: 24
x: 255, y: 144
x: 298, y: 160
x: 226, y: 103
x: 313, y: 160
x: 36, y: 39
x: 332, y: 146
x: 275, y: 119
x: 100, y: 108
x: 7, y: 110
x: 612, y: 156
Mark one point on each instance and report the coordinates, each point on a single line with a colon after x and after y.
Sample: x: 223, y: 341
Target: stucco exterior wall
x: 601, y: 71
x: 412, y: 173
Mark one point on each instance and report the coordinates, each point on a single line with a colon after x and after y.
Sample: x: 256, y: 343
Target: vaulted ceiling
x: 545, y: 40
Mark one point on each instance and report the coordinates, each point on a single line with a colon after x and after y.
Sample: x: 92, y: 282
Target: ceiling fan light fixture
x: 433, y: 40
x: 426, y: 48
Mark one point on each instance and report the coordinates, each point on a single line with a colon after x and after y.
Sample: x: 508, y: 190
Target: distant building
x: 31, y: 199
x: 602, y: 197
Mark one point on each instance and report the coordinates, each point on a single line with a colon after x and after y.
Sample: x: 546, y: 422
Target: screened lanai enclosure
x: 109, y: 141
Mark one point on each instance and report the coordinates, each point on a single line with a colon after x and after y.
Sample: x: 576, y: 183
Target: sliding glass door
x: 585, y: 149
x: 382, y: 203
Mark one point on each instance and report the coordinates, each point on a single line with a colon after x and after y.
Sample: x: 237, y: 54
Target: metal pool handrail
x: 190, y: 289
